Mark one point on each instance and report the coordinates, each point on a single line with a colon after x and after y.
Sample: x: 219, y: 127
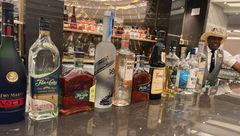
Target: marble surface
x: 209, y: 113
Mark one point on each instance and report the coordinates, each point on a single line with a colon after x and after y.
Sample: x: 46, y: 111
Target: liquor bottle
x: 44, y: 63
x: 172, y: 61
x: 13, y: 78
x: 141, y: 82
x: 91, y: 50
x: 182, y: 73
x: 78, y: 90
x: 193, y: 72
x: 157, y: 67
x: 123, y: 74
x: 202, y: 64
x: 65, y: 17
x: 73, y: 24
x: 104, y: 65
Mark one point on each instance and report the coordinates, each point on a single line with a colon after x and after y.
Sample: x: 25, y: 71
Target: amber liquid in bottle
x: 141, y: 80
x: 73, y: 83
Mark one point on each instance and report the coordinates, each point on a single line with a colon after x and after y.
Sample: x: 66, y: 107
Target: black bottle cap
x: 44, y: 24
x: 161, y: 34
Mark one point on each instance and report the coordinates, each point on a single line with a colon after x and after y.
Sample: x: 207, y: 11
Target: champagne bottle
x: 44, y: 63
x: 12, y: 73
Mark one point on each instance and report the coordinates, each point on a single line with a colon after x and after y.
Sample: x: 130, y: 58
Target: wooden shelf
x: 99, y: 34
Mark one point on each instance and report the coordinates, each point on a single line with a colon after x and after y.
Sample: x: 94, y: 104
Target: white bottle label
x: 157, y: 80
x: 192, y: 78
x: 128, y: 71
x: 92, y: 52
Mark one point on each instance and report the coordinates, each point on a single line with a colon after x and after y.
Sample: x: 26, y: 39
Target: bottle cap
x: 7, y: 19
x: 192, y: 51
x: 44, y: 24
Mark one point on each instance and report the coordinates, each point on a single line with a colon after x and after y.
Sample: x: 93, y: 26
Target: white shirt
x: 228, y: 59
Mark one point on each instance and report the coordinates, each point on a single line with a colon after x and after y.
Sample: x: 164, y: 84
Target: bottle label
x: 92, y: 52
x: 201, y: 72
x: 47, y: 87
x: 85, y: 95
x: 145, y: 88
x: 183, y: 78
x: 110, y: 24
x: 192, y: 78
x: 173, y: 75
x: 103, y: 64
x: 157, y: 80
x: 163, y: 55
x: 128, y: 72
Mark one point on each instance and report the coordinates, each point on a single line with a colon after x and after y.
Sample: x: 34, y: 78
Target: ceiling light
x: 233, y: 4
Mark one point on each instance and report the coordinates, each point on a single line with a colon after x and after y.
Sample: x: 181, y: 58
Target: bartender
x: 215, y: 56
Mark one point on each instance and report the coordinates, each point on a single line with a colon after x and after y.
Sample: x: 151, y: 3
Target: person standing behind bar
x: 215, y: 56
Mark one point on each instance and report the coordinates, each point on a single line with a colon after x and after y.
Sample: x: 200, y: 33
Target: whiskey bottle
x: 141, y: 82
x: 123, y: 74
x: 13, y: 78
x: 73, y: 24
x: 104, y: 65
x: 44, y: 63
x: 172, y: 61
x: 78, y: 90
x: 157, y: 67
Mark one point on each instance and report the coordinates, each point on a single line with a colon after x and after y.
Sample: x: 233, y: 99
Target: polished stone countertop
x: 213, y: 112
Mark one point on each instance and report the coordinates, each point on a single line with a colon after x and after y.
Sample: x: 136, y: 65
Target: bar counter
x: 212, y: 112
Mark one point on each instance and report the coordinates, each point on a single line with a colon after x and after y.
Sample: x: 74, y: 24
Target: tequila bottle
x: 141, y: 82
x: 123, y: 74
x: 157, y: 69
x: 78, y: 90
x: 44, y: 63
x: 172, y: 62
x: 182, y: 73
x: 104, y: 65
x: 193, y: 72
x: 202, y: 65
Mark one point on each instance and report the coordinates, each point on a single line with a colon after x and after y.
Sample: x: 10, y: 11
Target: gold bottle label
x: 12, y: 76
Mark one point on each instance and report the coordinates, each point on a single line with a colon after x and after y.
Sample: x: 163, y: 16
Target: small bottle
x: 78, y: 88
x: 123, y: 74
x: 157, y: 67
x: 13, y: 77
x: 65, y: 17
x: 202, y: 65
x: 193, y: 72
x: 182, y: 73
x: 141, y: 82
x: 43, y: 76
x: 73, y: 24
x: 172, y: 61
x: 105, y: 65
x: 91, y: 50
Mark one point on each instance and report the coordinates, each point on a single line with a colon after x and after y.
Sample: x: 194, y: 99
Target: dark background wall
x: 51, y: 9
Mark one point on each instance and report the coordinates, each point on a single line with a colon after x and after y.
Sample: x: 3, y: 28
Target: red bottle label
x: 12, y: 103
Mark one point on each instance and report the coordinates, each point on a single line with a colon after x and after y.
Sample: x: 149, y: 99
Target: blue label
x: 47, y: 84
x: 144, y: 88
x: 110, y: 25
x: 183, y: 79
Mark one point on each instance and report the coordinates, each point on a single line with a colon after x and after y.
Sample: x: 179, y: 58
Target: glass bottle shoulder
x: 125, y: 52
x: 192, y: 62
x: 77, y: 74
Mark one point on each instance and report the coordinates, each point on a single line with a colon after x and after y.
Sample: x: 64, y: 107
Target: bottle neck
x: 107, y: 28
x: 74, y: 11
x: 43, y: 33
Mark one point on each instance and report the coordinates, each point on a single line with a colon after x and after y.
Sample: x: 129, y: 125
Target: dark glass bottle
x: 65, y: 14
x: 73, y: 20
x: 157, y: 67
x: 12, y: 73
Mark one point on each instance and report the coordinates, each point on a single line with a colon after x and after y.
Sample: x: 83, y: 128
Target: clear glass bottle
x: 182, y: 73
x: 78, y: 90
x: 141, y: 82
x: 123, y: 74
x: 193, y: 72
x: 172, y: 62
x: 104, y: 65
x: 13, y: 76
x: 202, y: 60
x: 44, y: 63
x: 157, y: 69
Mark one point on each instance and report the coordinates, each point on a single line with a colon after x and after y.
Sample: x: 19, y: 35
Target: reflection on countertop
x: 213, y: 112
